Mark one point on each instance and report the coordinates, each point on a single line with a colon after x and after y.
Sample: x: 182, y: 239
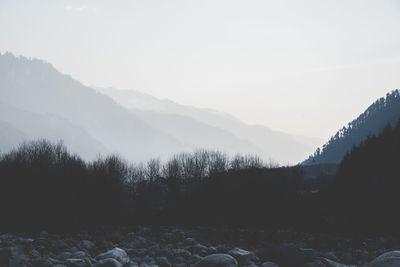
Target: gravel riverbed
x: 199, y: 247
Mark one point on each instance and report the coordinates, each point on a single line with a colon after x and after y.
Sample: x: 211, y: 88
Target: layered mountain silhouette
x: 9, y: 136
x: 37, y: 101
x: 17, y: 125
x: 270, y: 144
x: 384, y: 111
x: 36, y: 87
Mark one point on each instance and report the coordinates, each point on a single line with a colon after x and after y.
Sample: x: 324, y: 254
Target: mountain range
x: 38, y: 101
x: 181, y: 120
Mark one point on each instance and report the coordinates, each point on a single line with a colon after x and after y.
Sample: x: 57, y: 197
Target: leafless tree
x: 153, y: 169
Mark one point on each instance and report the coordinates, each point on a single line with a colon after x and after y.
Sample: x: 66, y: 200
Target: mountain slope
x: 36, y: 86
x: 10, y: 136
x: 282, y: 147
x: 29, y: 126
x: 372, y: 121
x: 196, y: 134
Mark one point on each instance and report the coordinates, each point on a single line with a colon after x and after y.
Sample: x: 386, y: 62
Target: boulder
x: 243, y: 257
x: 217, y: 260
x: 78, y: 255
x: 55, y: 261
x: 212, y: 250
x: 328, y: 255
x: 388, y: 259
x: 116, y: 254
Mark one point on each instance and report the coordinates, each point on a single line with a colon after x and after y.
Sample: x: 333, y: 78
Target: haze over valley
x: 211, y: 133
x: 40, y: 102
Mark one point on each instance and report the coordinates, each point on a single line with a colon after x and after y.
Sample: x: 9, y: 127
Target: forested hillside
x: 368, y: 179
x: 385, y: 110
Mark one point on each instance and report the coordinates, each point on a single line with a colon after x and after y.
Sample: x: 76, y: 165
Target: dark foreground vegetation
x: 43, y: 186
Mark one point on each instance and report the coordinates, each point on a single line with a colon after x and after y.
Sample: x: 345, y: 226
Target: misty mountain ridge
x: 31, y: 125
x: 92, y: 123
x: 36, y: 87
x: 280, y: 146
x: 58, y: 97
x: 133, y: 99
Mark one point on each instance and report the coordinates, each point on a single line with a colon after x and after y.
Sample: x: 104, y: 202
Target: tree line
x: 43, y: 186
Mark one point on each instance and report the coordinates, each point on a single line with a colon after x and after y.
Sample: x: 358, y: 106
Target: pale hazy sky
x: 304, y: 67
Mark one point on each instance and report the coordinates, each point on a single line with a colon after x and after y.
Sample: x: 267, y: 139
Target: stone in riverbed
x: 388, y: 259
x: 217, y: 260
x: 78, y: 255
x: 212, y: 250
x: 116, y: 254
x: 243, y: 257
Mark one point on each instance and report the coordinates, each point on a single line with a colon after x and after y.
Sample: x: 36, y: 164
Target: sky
x: 306, y: 67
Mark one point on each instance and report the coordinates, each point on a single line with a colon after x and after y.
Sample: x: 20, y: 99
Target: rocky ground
x: 199, y: 247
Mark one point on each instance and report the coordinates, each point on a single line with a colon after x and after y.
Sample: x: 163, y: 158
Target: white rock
x: 115, y: 253
x: 388, y: 259
x: 241, y: 255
